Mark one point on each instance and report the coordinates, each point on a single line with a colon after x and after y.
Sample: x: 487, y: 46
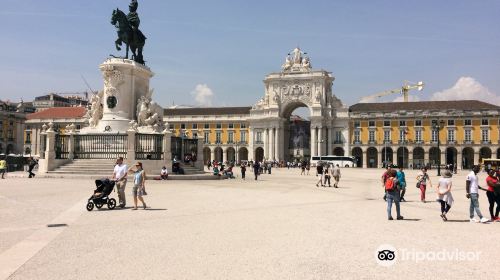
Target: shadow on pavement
x: 458, y: 221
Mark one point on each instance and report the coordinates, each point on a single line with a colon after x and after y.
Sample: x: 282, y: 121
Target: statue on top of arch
x: 296, y: 62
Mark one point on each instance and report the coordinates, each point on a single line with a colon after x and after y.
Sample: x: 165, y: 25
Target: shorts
x: 402, y: 185
x: 137, y: 191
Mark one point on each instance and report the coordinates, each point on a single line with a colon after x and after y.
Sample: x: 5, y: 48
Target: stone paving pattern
x: 280, y: 227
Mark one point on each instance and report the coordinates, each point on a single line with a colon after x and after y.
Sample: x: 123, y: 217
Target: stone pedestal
x: 125, y: 81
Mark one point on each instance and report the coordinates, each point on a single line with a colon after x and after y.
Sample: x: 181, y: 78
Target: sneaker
x: 496, y: 219
x: 473, y: 220
x: 400, y: 218
x: 390, y: 219
x: 443, y: 216
x: 402, y: 199
x: 484, y: 220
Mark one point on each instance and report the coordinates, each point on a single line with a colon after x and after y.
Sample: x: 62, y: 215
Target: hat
x: 447, y: 174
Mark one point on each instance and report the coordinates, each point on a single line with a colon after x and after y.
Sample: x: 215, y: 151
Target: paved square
x: 280, y: 227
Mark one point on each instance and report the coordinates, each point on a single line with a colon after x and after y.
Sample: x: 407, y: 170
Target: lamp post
x: 320, y: 153
x: 437, y: 127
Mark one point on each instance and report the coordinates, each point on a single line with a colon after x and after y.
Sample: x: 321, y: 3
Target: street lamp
x: 437, y: 127
x: 321, y: 146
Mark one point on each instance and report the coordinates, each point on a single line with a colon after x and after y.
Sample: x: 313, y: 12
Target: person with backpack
x: 392, y: 192
x: 422, y: 179
x: 385, y: 176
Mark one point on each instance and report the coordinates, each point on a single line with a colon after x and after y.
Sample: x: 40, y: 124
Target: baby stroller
x: 101, y: 195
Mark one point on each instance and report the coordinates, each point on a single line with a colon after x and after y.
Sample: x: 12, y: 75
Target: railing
x: 90, y: 146
x: 62, y: 146
x: 149, y: 146
x: 338, y: 142
x: 469, y: 142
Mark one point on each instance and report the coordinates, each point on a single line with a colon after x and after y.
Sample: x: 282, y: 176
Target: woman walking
x: 444, y: 193
x: 422, y: 179
x: 139, y: 184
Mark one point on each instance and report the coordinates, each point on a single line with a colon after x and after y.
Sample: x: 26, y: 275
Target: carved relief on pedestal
x: 95, y: 112
x: 149, y: 113
x: 112, y: 79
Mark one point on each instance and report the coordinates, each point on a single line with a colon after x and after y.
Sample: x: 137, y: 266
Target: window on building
x: 451, y: 122
x: 468, y: 122
x: 28, y: 138
x: 230, y: 137
x: 243, y: 136
x: 387, y: 135
x: 206, y: 137
x: 485, y: 135
x: 259, y: 137
x: 171, y: 126
x: 371, y: 136
x: 402, y: 135
x: 218, y: 137
x: 434, y: 122
x: 418, y: 136
x: 484, y: 122
x: 451, y: 135
x: 434, y: 135
x: 402, y: 123
x: 468, y: 135
x: 371, y: 123
x: 418, y: 122
x: 183, y: 126
x: 78, y: 127
x: 11, y: 123
x: 243, y: 125
x: 387, y: 123
x: 357, y: 124
x: 231, y: 125
x: 218, y: 126
x: 206, y: 126
x: 338, y: 137
x: 194, y: 126
x: 357, y: 137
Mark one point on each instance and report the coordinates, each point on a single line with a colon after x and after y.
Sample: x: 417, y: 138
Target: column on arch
x: 266, y: 143
x: 272, y: 147
x: 224, y: 154
x: 313, y: 143
x: 321, y: 141
x: 277, y: 144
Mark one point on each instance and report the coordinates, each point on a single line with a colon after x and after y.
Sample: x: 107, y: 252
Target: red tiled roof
x: 423, y: 105
x: 207, y: 111
x: 59, y: 113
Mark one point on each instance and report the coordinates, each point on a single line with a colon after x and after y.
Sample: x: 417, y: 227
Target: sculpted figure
x: 287, y: 65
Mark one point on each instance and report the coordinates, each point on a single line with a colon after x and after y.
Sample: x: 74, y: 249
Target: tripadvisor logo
x: 387, y: 255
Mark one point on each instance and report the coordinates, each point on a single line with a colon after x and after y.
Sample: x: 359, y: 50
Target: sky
x: 217, y: 53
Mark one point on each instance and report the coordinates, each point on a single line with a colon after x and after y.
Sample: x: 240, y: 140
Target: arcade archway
x: 467, y: 158
x: 243, y: 154
x: 372, y: 157
x: 218, y: 154
x: 338, y: 151
x: 297, y: 132
x: 357, y: 153
x: 207, y: 154
x: 259, y: 154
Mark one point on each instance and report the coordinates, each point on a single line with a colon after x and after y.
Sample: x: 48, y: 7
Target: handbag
x: 418, y: 184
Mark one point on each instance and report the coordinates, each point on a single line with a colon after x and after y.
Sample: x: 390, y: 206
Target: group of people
x: 120, y: 174
x: 325, y: 172
x: 32, y: 162
x: 394, y: 184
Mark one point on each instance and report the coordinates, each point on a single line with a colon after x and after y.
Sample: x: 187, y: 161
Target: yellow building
x: 225, y: 130
x: 407, y: 133
x: 12, y: 118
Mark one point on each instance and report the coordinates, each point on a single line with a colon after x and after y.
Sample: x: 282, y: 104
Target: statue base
x: 125, y: 81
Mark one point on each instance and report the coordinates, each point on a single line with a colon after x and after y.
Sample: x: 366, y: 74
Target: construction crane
x: 407, y: 86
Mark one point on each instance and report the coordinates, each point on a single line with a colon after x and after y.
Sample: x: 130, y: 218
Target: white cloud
x: 467, y: 88
x: 203, y: 95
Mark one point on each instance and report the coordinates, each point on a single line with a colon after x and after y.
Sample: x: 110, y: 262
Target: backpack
x: 390, y: 185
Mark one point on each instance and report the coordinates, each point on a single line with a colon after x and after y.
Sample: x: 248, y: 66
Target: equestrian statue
x: 127, y: 27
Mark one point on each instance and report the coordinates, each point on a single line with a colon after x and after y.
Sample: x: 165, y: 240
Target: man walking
x: 3, y: 166
x: 336, y: 175
x: 120, y: 176
x: 31, y: 164
x: 319, y: 172
x: 472, y: 187
x: 256, y: 169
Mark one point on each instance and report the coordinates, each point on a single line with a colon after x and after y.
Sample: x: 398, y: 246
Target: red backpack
x: 390, y: 185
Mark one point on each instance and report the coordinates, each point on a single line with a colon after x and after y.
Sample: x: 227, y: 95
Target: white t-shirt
x: 120, y: 171
x: 164, y: 171
x: 474, y: 186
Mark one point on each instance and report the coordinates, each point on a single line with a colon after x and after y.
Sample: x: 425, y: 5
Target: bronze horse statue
x: 132, y: 37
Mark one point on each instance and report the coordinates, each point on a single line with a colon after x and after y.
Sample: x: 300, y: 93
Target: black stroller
x: 101, y: 195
